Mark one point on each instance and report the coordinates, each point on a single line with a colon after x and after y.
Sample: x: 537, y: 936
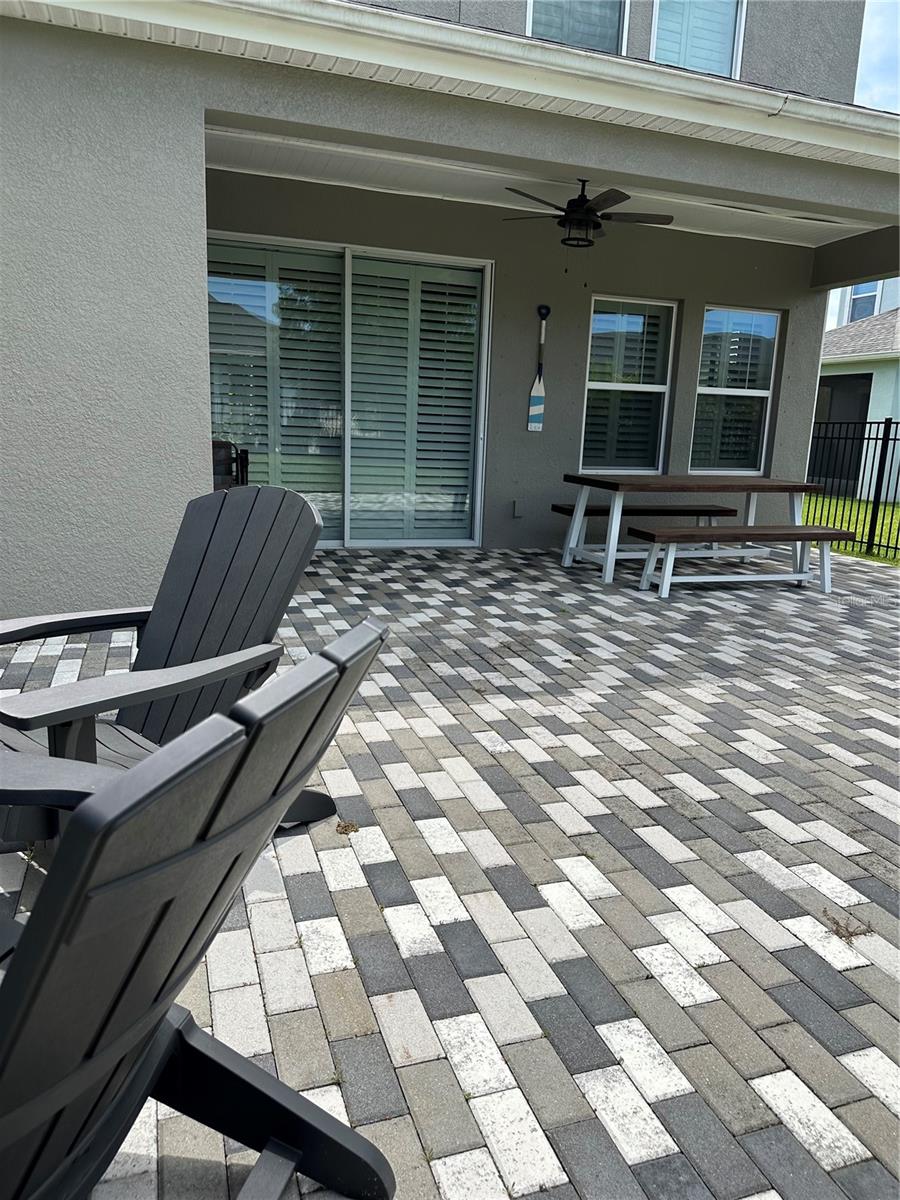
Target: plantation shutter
x: 698, y: 34
x: 382, y: 400
x: 728, y: 432
x: 449, y: 311
x: 310, y: 381
x: 238, y: 354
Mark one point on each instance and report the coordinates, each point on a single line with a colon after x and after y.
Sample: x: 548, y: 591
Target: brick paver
x: 612, y: 908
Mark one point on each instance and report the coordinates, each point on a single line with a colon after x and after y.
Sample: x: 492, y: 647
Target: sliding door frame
x: 486, y: 266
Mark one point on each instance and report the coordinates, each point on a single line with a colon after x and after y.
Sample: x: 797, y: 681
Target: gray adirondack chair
x: 207, y: 638
x: 145, y: 872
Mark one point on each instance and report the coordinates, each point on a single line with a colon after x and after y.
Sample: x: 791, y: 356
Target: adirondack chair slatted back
x: 235, y: 564
x: 143, y: 878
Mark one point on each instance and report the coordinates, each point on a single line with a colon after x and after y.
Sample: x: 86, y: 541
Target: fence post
x: 879, y: 485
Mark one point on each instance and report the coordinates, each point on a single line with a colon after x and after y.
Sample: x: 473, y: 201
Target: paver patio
x: 611, y: 913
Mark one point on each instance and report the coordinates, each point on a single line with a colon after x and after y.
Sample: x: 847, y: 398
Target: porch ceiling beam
x: 859, y: 259
x: 413, y: 52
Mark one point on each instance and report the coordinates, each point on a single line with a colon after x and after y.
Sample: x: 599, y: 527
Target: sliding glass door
x: 354, y: 380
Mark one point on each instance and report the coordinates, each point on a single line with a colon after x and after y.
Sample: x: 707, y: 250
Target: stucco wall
x: 532, y: 268
x: 105, y: 376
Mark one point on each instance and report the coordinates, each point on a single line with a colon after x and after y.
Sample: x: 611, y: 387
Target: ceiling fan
x: 583, y: 216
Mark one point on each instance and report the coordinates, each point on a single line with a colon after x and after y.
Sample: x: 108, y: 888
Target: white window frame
x: 737, y: 54
x: 666, y: 389
x: 751, y: 472
x: 623, y: 39
x: 350, y: 252
x: 879, y: 284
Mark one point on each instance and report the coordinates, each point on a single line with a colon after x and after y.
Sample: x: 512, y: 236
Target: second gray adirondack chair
x: 207, y: 638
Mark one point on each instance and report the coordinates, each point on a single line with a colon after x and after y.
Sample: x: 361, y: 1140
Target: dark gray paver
x: 308, y: 896
x: 671, y: 1178
x: 867, y: 1181
x: 792, y: 1171
x: 389, y: 884
x: 593, y: 1163
x: 594, y: 994
x: 368, y: 1081
x: 724, y: 1166
x: 379, y: 963
x: 819, y: 1018
x: 573, y: 1038
x: 468, y: 950
x: 440, y: 988
x: 833, y: 986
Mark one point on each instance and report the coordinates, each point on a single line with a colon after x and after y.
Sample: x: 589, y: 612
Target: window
x: 702, y: 35
x: 589, y: 24
x: 737, y: 363
x: 627, y: 385
x: 863, y: 301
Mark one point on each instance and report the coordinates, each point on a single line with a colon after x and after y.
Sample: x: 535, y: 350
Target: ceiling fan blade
x: 634, y: 218
x: 608, y: 199
x: 536, y: 199
x: 534, y: 217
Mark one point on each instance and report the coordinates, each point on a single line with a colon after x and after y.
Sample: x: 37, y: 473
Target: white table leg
x: 824, y: 565
x: 750, y: 508
x: 650, y: 566
x: 795, y: 508
x: 668, y: 563
x: 574, y: 536
x: 613, y: 525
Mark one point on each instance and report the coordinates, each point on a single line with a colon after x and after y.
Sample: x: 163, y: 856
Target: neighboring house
x: 862, y: 300
x: 282, y: 222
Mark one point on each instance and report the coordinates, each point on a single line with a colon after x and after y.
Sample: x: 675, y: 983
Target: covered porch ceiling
x: 345, y: 164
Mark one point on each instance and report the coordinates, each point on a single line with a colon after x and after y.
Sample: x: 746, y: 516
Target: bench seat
x: 743, y: 533
x: 651, y: 510
x: 666, y: 542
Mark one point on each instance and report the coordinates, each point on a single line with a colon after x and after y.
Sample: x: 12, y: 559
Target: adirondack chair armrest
x: 62, y: 783
x: 71, y: 702
x: 26, y: 629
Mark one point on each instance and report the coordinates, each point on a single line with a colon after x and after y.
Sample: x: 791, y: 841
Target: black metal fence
x: 858, y: 464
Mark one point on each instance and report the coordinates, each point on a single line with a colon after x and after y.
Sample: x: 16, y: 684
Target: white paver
x: 811, y: 1122
x: 341, y: 783
x: 677, y: 976
x: 835, y: 838
x: 569, y: 820
x: 648, y: 1066
x: 493, y: 917
x: 583, y: 801
x: 549, y: 934
x: 406, y: 1028
x: 528, y: 969
x: 880, y: 952
x: 702, y: 911
x: 770, y: 934
x: 341, y: 870
x: 639, y: 794
x: 481, y: 795
x: 371, y: 846
x: 485, y: 848
x: 629, y: 1120
x: 692, y: 787
x: 830, y: 885
x: 469, y: 1176
x: 401, y: 776
x: 596, y: 784
x: 440, y: 901
x: 770, y: 869
x: 519, y: 1145
x: 688, y: 939
x: 441, y: 785
x: 745, y: 782
x: 826, y: 944
x: 473, y: 1054
x: 272, y: 926
x: 569, y: 905
x: 411, y: 930
x: 878, y: 1073
x: 506, y: 1014
x: 230, y: 962
x: 592, y: 884
x: 787, y: 830
x: 296, y: 855
x: 264, y: 881
x: 440, y: 835
x: 324, y: 946
x: 239, y: 1020
x: 285, y: 981
x: 665, y: 843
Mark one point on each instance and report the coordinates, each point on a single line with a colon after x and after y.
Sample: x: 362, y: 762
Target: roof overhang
x: 497, y: 68
x: 831, y: 360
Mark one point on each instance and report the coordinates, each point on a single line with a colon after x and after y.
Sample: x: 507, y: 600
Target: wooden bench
x: 708, y: 513
x: 667, y: 541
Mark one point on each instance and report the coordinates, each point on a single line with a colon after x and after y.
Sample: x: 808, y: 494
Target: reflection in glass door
x: 281, y: 338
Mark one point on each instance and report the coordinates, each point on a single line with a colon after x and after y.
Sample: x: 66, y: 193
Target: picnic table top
x: 691, y: 483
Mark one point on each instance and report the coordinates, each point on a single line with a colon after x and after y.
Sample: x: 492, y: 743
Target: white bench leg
x: 613, y: 525
x: 574, y: 534
x: 650, y: 566
x: 803, y: 562
x: 668, y: 563
x: 824, y: 565
x: 795, y: 507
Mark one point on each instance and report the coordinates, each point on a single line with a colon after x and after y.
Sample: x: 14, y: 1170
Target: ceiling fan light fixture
x: 578, y: 234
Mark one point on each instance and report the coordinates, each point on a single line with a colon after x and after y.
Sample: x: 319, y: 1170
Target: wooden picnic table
x: 608, y: 553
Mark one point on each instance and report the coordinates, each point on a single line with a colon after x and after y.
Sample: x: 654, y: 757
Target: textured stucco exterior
x: 106, y: 422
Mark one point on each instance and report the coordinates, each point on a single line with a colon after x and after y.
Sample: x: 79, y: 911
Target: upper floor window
x: 863, y: 300
x: 589, y: 24
x: 702, y: 35
x: 629, y: 364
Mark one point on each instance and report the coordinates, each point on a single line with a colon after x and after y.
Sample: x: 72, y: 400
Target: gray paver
x: 547, y: 1084
x: 443, y: 1119
x: 571, y: 1035
x: 713, y: 1152
x: 669, y: 1023
x: 379, y: 963
x: 442, y: 991
x: 793, y: 1172
x: 594, y: 1164
x: 398, y: 1142
x: 876, y: 1127
x: 808, y: 1058
x: 835, y: 1033
x: 301, y: 1049
x: 833, y: 986
x: 344, y: 1005
x: 367, y: 1079
x: 468, y: 950
x: 734, y: 1038
x: 671, y: 1178
x: 866, y: 1181
x: 732, y: 1099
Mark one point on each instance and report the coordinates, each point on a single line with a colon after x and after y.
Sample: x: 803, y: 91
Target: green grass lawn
x: 847, y: 513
